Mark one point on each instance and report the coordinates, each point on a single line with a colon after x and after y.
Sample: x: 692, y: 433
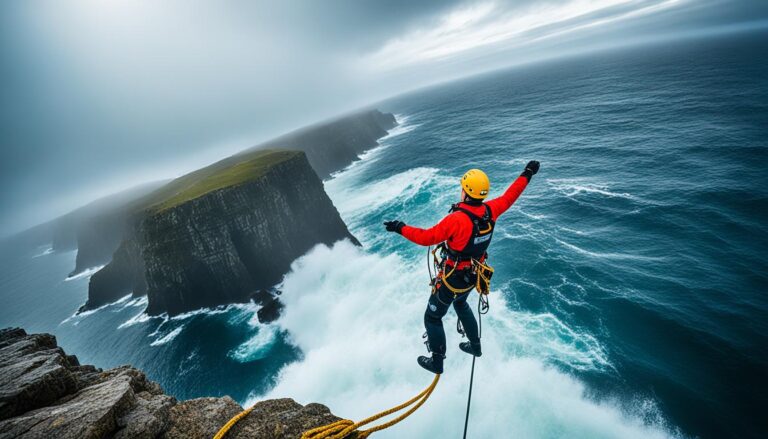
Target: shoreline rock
x: 45, y: 393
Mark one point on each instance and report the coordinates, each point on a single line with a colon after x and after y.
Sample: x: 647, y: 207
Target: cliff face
x: 123, y: 275
x: 333, y: 145
x: 45, y: 393
x: 97, y: 229
x: 221, y: 246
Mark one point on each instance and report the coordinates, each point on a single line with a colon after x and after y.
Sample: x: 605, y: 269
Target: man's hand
x: 530, y: 169
x: 394, y: 226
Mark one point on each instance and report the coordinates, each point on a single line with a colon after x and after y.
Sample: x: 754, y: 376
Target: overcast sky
x: 99, y: 95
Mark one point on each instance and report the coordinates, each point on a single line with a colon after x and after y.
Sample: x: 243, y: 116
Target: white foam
x: 574, y: 187
x: 615, y: 256
x: 168, y: 337
x: 85, y: 273
x: 372, y: 155
x: 257, y: 347
x: 363, y: 161
x: 357, y: 317
x: 135, y: 303
x: 403, y: 127
x: 78, y: 316
x: 45, y: 252
x: 353, y: 200
x: 137, y: 319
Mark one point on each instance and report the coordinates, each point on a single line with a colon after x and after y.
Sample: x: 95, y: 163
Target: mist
x: 102, y: 96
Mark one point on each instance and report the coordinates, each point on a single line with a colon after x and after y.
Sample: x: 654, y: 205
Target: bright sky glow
x: 491, y: 24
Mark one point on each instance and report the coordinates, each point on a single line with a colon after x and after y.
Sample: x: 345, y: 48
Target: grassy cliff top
x: 231, y: 171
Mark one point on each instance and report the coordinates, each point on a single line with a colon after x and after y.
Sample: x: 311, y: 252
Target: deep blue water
x: 631, y: 275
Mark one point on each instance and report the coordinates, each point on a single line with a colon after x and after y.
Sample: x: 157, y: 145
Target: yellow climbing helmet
x: 476, y: 184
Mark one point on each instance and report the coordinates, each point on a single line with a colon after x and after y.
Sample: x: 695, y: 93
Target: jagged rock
x: 271, y: 306
x: 281, y: 418
x: 270, y: 311
x: 201, y: 417
x: 148, y: 419
x: 121, y: 403
x: 91, y: 413
x: 34, y: 372
x: 262, y: 297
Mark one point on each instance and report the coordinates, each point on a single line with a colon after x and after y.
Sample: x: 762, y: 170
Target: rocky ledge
x: 45, y: 393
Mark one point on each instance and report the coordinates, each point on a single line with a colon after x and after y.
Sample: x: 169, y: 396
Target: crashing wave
x: 85, y: 273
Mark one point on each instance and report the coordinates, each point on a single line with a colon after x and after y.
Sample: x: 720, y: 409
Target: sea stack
x: 221, y: 233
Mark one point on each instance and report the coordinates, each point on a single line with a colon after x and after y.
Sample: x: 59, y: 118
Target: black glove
x: 530, y: 169
x: 394, y: 226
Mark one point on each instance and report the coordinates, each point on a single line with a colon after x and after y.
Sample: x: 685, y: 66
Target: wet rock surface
x: 271, y: 306
x: 45, y: 393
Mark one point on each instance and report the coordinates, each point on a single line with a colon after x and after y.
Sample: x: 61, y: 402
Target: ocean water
x: 629, y: 298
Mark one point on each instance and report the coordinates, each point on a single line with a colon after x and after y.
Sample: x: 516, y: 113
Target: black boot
x: 471, y: 348
x: 433, y: 364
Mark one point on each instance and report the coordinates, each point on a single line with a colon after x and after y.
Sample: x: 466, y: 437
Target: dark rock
x: 91, y: 413
x: 281, y: 418
x: 34, y: 372
x: 121, y: 403
x: 124, y: 275
x: 9, y: 335
x: 262, y: 297
x: 149, y: 418
x: 271, y: 306
x: 201, y: 417
x: 270, y: 311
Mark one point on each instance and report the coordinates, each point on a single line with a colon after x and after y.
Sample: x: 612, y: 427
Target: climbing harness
x: 478, y: 267
x: 482, y: 233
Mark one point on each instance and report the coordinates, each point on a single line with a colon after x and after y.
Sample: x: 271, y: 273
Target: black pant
x: 438, y: 307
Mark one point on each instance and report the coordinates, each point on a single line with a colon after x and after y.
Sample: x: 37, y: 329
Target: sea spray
x: 357, y: 316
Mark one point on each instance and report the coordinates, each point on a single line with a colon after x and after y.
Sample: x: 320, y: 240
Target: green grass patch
x: 232, y: 171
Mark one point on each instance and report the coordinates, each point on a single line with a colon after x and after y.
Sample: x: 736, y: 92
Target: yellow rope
x: 231, y: 423
x: 344, y: 427
x: 450, y: 287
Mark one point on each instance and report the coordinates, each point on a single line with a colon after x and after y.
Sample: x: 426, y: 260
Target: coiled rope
x: 345, y: 427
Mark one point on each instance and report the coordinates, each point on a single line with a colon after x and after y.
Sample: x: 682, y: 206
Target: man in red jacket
x: 466, y: 233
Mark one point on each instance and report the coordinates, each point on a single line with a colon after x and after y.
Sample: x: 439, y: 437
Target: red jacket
x: 456, y: 227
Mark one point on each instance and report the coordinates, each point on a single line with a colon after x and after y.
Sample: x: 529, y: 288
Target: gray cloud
x: 98, y: 96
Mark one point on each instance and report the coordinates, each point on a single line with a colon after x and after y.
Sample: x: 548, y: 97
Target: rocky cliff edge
x: 45, y: 393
